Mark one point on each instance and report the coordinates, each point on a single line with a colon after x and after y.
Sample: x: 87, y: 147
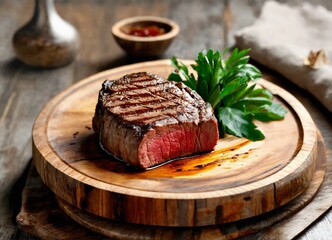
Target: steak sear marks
x: 146, y: 120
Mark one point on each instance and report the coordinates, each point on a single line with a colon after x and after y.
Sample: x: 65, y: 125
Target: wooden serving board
x: 240, y: 179
x: 41, y: 216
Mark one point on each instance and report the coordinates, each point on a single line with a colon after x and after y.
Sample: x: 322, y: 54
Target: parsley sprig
x: 227, y: 85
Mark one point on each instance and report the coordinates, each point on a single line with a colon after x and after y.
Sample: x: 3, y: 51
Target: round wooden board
x: 240, y: 179
x: 117, y: 230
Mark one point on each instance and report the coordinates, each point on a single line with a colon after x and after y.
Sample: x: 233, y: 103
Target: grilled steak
x: 146, y: 120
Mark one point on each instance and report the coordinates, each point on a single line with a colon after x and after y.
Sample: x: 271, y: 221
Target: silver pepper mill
x: 46, y: 40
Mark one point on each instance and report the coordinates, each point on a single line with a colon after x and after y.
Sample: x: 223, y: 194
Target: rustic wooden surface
x: 241, y: 176
x: 40, y: 215
x: 24, y: 90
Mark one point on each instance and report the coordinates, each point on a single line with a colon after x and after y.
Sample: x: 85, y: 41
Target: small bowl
x: 144, y: 46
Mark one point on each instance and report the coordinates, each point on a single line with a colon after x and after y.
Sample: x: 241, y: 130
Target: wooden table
x: 24, y: 90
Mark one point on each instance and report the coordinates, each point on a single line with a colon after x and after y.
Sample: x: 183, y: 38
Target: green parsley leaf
x: 227, y: 85
x: 182, y: 70
x: 239, y: 124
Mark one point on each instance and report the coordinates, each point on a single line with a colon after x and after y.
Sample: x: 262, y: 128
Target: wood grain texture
x: 23, y: 91
x: 41, y: 217
x: 240, y: 179
x: 317, y: 225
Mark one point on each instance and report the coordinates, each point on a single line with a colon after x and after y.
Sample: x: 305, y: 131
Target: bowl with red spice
x: 145, y: 35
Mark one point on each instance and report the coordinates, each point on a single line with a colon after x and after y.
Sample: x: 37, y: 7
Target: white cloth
x: 282, y: 37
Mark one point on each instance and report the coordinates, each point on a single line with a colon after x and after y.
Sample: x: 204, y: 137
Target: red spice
x: 145, y: 31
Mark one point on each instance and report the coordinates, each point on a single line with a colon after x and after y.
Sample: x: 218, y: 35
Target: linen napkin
x: 296, y: 42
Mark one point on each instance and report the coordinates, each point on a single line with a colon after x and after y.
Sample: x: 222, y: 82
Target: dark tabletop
x: 25, y: 90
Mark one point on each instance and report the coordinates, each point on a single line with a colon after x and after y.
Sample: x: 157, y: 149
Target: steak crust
x: 146, y: 120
